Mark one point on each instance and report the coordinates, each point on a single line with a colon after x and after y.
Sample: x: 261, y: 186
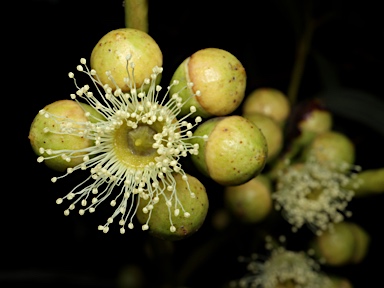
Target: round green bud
x: 190, y: 216
x: 309, y: 118
x: 331, y: 148
x: 317, y: 121
x: 112, y: 50
x: 268, y: 101
x: 218, y: 75
x: 336, y: 246
x: 272, y: 131
x: 250, y: 202
x: 235, y: 151
x: 362, y: 240
x: 43, y: 134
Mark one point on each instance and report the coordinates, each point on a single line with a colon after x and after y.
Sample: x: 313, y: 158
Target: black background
x: 46, y: 39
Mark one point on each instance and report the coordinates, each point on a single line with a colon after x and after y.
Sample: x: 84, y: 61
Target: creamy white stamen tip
x: 145, y: 227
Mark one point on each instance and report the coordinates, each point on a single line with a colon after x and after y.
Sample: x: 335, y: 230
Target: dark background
x: 48, y: 38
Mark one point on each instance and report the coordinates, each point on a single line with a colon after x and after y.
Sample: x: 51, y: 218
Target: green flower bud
x: 112, y: 50
x: 336, y: 246
x: 333, y: 149
x: 367, y: 182
x: 235, y: 151
x: 267, y: 101
x: 180, y: 218
x: 218, y: 78
x: 317, y: 121
x: 272, y: 131
x: 309, y: 118
x: 362, y: 240
x: 250, y: 202
x: 49, y: 132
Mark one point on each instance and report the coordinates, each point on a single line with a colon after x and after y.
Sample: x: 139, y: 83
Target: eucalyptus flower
x: 138, y: 143
x: 282, y: 269
x: 315, y: 194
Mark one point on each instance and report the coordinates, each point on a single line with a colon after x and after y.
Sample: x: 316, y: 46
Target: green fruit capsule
x: 112, y: 50
x: 46, y: 133
x: 250, y: 202
x: 180, y: 218
x: 218, y: 79
x: 235, y: 151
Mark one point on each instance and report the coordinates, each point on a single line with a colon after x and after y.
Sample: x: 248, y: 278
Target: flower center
x: 133, y: 146
x: 314, y: 194
x: 140, y: 140
x: 286, y: 284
